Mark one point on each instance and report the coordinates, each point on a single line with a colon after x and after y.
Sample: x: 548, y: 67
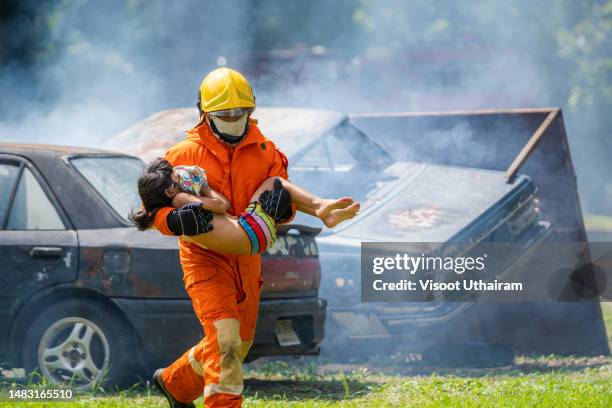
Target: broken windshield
x: 344, y: 162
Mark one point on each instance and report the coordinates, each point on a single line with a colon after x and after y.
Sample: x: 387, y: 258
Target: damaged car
x: 402, y: 201
x: 85, y: 297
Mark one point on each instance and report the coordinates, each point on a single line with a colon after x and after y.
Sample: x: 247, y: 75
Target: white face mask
x: 235, y: 128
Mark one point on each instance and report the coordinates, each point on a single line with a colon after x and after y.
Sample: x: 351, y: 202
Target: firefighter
x: 224, y: 289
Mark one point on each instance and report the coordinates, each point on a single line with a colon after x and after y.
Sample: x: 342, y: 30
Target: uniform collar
x: 203, y: 134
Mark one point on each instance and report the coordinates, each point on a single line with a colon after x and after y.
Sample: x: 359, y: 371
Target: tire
x: 80, y: 343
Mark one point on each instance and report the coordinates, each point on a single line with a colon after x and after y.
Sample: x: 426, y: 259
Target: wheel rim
x: 74, y: 351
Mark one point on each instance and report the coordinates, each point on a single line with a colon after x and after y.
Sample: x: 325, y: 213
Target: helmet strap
x: 199, y: 104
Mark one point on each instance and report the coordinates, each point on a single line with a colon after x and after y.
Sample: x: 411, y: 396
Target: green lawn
x: 588, y: 387
x: 544, y: 382
x: 532, y: 381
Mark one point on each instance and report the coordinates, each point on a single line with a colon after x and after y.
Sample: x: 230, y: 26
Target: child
x: 252, y: 232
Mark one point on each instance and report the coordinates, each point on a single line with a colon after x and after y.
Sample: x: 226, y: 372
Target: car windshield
x: 115, y: 178
x: 343, y: 162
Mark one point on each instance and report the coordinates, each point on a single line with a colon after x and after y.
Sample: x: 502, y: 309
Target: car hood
x: 290, y: 128
x: 421, y: 202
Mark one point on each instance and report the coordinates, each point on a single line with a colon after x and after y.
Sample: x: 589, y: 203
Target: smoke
x: 106, y: 65
x: 400, y: 56
x: 80, y: 71
x: 101, y: 66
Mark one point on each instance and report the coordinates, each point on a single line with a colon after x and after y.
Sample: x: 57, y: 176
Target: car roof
x: 290, y: 128
x: 49, y: 149
x: 78, y: 200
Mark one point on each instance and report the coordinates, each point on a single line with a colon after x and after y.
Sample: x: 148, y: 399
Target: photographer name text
x: 431, y: 285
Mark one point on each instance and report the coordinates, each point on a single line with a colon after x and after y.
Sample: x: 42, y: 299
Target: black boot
x: 160, y: 386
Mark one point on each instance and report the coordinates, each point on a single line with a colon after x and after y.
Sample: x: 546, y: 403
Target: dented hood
x: 421, y: 202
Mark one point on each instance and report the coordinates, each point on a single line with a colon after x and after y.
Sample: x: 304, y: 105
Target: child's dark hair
x: 152, y: 185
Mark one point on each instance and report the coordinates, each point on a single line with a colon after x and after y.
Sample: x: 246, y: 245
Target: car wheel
x: 79, y: 344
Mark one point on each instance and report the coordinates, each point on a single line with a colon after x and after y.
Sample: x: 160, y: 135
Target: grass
x: 545, y: 381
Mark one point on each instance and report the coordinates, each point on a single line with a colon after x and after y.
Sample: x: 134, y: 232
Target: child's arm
x: 214, y: 201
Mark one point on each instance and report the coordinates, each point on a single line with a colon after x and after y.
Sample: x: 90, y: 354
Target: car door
x: 37, y: 246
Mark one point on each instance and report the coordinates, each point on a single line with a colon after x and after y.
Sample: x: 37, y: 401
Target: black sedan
x: 84, y: 296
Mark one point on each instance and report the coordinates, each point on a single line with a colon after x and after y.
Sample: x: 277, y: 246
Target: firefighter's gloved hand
x: 277, y: 202
x: 190, y: 219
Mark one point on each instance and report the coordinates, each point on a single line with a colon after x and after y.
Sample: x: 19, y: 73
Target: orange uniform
x: 224, y: 289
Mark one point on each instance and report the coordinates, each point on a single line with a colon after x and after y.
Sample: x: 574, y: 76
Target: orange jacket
x: 234, y: 172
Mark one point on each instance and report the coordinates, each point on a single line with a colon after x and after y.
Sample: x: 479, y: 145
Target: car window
x: 341, y: 150
x: 115, y: 178
x: 8, y: 173
x: 327, y: 155
x: 31, y: 209
x: 366, y: 152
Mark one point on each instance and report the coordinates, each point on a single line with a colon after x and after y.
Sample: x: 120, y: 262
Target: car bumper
x: 165, y: 328
x: 380, y: 322
x: 308, y: 320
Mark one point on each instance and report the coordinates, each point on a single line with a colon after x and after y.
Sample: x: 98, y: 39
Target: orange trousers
x: 213, y: 367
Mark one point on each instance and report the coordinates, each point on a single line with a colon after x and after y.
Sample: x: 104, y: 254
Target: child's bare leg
x: 312, y: 204
x: 301, y: 205
x: 227, y: 236
x: 338, y: 215
x: 305, y: 201
x: 343, y: 208
x: 268, y: 184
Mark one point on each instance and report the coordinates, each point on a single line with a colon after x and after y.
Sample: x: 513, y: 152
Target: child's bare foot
x: 338, y: 215
x: 326, y: 206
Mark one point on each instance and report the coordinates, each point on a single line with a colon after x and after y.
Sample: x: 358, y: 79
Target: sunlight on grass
x: 543, y: 381
x: 547, y: 381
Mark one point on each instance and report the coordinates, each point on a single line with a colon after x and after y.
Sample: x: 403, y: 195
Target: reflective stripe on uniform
x: 195, y: 364
x: 211, y: 389
x: 230, y: 375
x: 244, y: 349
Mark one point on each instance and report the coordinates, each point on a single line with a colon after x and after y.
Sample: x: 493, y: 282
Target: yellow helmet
x: 225, y: 88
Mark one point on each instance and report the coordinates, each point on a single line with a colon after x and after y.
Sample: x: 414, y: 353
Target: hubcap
x: 74, y: 351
